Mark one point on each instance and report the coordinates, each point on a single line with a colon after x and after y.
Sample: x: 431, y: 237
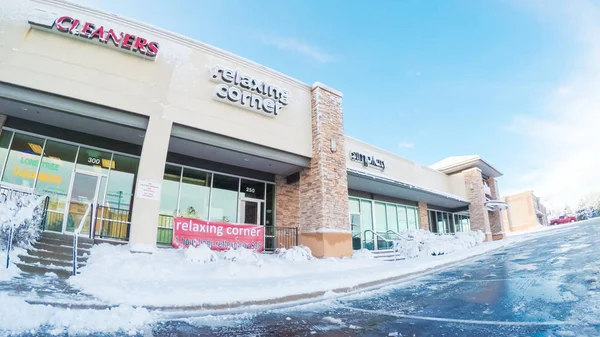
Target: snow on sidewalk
x: 202, y: 277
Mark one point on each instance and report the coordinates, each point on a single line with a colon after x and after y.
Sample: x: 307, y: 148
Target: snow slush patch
x: 333, y: 320
x: 7, y: 274
x: 242, y: 254
x: 363, y: 254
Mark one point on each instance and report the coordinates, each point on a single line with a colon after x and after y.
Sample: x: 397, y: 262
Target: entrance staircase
x: 387, y: 255
x: 53, y: 253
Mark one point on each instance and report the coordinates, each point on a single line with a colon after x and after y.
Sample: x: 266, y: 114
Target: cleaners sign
x: 83, y: 30
x: 216, y: 235
x: 246, y: 92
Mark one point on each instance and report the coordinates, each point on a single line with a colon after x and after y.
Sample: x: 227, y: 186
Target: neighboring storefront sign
x: 367, y: 161
x: 83, y: 30
x: 148, y: 190
x: 189, y: 232
x: 245, y: 91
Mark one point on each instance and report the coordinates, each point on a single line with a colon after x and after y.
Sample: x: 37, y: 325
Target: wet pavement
x: 547, y: 286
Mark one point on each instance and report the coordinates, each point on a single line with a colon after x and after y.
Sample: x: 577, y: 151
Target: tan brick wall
x: 496, y: 224
x: 324, y: 187
x: 423, y: 216
x: 493, y: 184
x: 476, y: 196
x: 2, y: 121
x: 287, y: 203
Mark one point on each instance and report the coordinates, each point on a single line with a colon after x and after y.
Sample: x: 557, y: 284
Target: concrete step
x: 67, y: 237
x: 37, y: 269
x: 54, y: 255
x: 49, y: 262
x: 64, y: 243
x: 60, y: 249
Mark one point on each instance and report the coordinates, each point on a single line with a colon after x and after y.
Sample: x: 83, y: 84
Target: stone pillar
x: 324, y: 224
x: 423, y: 216
x: 495, y: 217
x: 144, y: 219
x: 2, y: 121
x: 476, y: 195
x: 287, y: 203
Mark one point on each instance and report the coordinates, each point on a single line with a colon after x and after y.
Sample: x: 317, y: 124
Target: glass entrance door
x: 249, y: 212
x: 84, y: 190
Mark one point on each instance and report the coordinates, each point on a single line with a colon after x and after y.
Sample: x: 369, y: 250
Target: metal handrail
x: 76, y: 235
x: 377, y: 235
x: 390, y: 231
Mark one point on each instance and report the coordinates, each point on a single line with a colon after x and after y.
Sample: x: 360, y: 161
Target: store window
x: 402, y: 218
x: 252, y: 189
x: 23, y: 160
x: 5, y: 138
x: 380, y: 218
x: 412, y: 218
x: 169, y: 199
x: 270, y: 206
x: 392, y: 217
x: 366, y: 217
x: 93, y: 160
x: 54, y: 179
x: 224, y: 200
x: 121, y: 181
x: 195, y: 194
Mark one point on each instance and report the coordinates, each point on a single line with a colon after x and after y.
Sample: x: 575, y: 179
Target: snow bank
x: 199, y: 276
x: 295, y: 253
x: 7, y: 274
x: 17, y: 316
x: 421, y: 243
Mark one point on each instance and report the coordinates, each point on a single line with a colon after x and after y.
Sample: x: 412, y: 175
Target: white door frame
x: 258, y: 212
x: 94, y: 200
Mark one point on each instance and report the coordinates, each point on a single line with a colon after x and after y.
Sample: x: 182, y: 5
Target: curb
x: 286, y: 301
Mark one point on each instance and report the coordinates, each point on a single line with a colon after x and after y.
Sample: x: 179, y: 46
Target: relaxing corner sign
x: 83, y: 30
x: 244, y: 91
x: 367, y: 161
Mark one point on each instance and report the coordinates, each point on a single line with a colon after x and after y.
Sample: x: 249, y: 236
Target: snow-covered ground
x: 199, y: 276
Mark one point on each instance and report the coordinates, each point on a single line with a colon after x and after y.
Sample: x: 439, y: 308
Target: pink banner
x: 189, y: 232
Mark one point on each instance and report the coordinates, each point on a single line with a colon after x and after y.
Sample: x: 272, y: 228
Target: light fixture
x: 35, y: 148
x: 333, y: 145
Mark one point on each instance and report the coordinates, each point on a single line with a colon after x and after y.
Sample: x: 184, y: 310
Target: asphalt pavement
x: 547, y: 286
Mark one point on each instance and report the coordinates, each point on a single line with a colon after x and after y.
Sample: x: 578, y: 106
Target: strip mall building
x: 149, y: 125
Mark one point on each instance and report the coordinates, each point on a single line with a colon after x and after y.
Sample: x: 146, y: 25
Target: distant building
x: 525, y: 211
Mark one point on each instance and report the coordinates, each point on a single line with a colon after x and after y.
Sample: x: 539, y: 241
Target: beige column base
x: 328, y: 244
x: 488, y: 237
x: 496, y: 237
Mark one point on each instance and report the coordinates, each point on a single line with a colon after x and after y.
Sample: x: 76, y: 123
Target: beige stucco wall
x: 176, y: 86
x: 521, y: 212
x: 404, y: 170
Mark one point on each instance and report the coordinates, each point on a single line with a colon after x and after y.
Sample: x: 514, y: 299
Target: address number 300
x: 94, y: 161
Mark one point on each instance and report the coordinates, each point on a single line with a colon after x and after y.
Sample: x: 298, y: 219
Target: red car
x: 563, y: 219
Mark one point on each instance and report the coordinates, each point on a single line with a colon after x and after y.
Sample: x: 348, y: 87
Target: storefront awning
x: 364, y: 182
x: 493, y: 205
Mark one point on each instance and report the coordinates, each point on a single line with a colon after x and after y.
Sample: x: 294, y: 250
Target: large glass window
x: 402, y: 218
x: 270, y: 205
x: 380, y: 218
x: 252, y: 189
x: 224, y: 199
x: 412, y: 218
x: 169, y: 201
x: 5, y: 138
x: 93, y: 160
x: 121, y: 181
x: 23, y: 160
x: 54, y: 179
x: 392, y: 217
x: 195, y: 193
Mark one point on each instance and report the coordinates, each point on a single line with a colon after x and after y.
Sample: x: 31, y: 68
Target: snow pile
x: 295, y: 253
x: 17, y: 316
x: 25, y: 213
x: 12, y: 271
x: 242, y: 254
x: 363, y: 254
x: 202, y: 254
x: 420, y: 242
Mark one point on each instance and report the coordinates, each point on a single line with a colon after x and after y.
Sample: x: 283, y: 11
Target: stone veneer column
x: 2, y: 121
x: 287, y: 203
x: 324, y: 224
x: 423, y: 216
x: 144, y: 218
x: 476, y: 195
x: 495, y: 217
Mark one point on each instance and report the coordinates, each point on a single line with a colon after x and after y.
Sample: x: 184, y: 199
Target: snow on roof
x: 454, y: 160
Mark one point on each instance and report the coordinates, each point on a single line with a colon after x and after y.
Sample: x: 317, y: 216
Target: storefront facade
x: 148, y: 125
